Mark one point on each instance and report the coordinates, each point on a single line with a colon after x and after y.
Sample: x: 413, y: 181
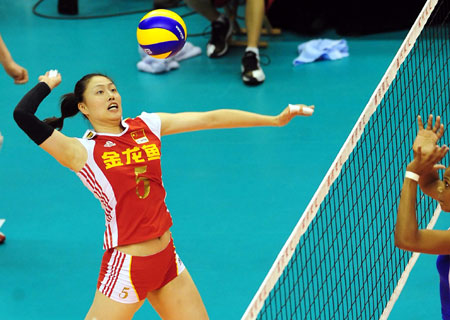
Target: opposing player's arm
x: 172, y: 123
x: 431, y: 184
x: 408, y: 236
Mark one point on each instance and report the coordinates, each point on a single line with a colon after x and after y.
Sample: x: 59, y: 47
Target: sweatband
x: 412, y: 176
x: 37, y: 130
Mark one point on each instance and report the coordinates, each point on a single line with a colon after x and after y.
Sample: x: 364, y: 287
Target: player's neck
x: 108, y: 128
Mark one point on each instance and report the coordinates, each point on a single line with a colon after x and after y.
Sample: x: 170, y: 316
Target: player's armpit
x: 67, y: 151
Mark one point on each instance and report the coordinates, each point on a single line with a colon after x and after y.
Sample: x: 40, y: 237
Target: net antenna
x: 299, y: 286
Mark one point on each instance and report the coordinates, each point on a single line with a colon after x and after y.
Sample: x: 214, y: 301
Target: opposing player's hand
x: 52, y: 78
x: 427, y: 137
x: 294, y: 110
x: 426, y: 162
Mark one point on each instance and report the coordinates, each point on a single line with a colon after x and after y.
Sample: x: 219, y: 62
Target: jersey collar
x: 91, y: 134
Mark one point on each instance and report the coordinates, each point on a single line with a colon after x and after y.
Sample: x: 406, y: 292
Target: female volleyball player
x: 423, y: 171
x: 119, y: 161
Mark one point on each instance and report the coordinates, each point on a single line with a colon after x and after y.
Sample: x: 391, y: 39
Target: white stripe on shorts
x: 117, y: 283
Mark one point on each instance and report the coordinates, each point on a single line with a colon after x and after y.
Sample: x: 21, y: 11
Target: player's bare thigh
x: 104, y: 308
x: 179, y: 299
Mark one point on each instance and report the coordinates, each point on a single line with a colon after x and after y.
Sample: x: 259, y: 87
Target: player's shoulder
x: 149, y: 116
x: 153, y: 121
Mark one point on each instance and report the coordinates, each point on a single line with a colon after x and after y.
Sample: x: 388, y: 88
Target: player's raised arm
x: 68, y: 151
x: 172, y: 123
x: 427, y: 155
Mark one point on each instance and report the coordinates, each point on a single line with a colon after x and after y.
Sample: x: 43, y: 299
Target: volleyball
x: 161, y: 33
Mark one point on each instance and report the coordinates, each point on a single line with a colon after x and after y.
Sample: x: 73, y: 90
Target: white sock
x: 255, y: 50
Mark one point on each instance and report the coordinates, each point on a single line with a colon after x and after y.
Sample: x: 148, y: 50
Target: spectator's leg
x: 252, y: 73
x: 221, y: 27
x: 204, y: 8
x: 254, y: 15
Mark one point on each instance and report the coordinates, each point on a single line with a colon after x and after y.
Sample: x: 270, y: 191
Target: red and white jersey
x: 123, y: 171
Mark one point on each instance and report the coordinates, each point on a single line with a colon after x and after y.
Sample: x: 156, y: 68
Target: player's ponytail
x: 69, y: 101
x: 69, y: 108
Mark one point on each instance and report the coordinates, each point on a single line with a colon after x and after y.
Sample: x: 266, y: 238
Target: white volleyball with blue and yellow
x: 161, y: 33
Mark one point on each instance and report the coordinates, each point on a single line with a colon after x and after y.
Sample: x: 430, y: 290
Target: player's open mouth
x: 113, y: 106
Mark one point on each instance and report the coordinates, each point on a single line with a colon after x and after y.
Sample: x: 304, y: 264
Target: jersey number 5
x: 142, y: 180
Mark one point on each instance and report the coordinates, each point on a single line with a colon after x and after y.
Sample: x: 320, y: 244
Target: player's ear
x: 83, y: 108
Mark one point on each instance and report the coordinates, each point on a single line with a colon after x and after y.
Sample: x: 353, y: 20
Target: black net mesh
x: 346, y: 265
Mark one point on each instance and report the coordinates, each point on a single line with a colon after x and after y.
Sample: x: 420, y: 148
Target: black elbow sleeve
x: 36, y: 129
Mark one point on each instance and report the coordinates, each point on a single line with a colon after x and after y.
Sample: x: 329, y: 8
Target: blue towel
x: 321, y: 49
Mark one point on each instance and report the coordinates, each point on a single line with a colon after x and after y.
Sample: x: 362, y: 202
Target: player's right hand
x: 426, y: 162
x: 428, y: 136
x: 52, y: 78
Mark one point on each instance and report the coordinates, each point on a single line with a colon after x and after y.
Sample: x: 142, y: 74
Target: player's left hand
x: 294, y: 110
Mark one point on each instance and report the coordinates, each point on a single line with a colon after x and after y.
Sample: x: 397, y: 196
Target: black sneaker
x: 220, y: 33
x: 165, y: 4
x: 252, y: 74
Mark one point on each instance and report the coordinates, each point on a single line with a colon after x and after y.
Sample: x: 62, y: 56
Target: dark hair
x: 69, y: 101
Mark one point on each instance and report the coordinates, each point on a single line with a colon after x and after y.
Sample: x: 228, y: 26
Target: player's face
x: 102, y: 101
x: 444, y: 194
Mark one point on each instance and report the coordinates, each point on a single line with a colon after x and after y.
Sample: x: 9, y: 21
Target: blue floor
x: 235, y: 195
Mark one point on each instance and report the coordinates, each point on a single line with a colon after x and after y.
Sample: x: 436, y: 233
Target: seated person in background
x: 252, y: 74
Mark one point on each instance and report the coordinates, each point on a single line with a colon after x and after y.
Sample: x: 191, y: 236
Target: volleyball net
x: 340, y: 261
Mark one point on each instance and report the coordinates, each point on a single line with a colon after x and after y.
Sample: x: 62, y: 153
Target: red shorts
x: 128, y: 279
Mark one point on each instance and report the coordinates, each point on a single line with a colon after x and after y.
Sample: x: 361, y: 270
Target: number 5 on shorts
x: 124, y: 293
x: 140, y: 179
